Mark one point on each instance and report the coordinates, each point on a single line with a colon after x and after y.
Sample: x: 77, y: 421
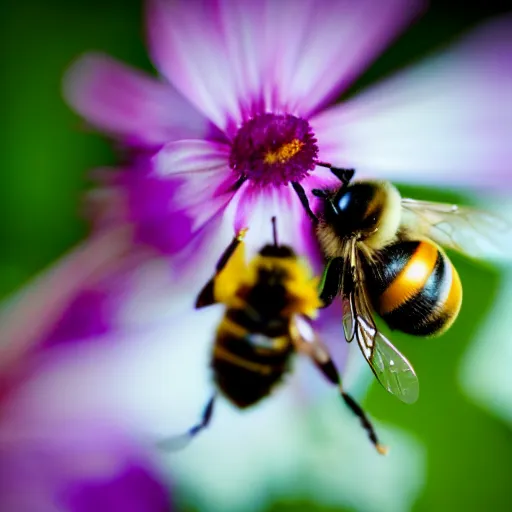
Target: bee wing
x: 348, y: 297
x: 391, y: 368
x: 470, y: 231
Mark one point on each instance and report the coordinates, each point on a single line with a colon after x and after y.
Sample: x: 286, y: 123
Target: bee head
x: 363, y: 209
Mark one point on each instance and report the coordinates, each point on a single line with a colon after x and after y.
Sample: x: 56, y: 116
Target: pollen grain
x: 284, y: 153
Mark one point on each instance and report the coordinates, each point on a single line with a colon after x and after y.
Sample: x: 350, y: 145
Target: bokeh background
x: 46, y: 151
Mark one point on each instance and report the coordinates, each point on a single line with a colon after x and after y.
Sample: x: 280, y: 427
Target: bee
x: 384, y: 256
x: 269, y: 304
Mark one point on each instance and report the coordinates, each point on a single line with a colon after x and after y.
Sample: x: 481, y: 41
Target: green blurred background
x: 45, y: 152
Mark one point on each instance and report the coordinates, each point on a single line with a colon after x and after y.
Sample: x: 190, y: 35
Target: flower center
x: 273, y: 149
x: 284, y: 153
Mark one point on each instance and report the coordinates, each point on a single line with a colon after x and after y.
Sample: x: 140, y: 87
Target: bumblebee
x: 384, y: 256
x: 269, y: 303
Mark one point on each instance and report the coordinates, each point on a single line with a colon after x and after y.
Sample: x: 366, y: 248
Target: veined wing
x: 473, y: 232
x: 391, y: 368
x: 347, y: 292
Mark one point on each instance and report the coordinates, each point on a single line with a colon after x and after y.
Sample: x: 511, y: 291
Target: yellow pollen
x: 284, y: 153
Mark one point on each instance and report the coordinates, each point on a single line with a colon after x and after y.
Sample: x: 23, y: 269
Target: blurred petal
x: 82, y: 469
x: 87, y: 315
x: 79, y: 382
x: 128, y: 104
x: 319, y: 454
x: 170, y: 197
x: 233, y: 59
x: 254, y: 208
x: 448, y: 120
x: 29, y: 316
x: 339, y: 39
x: 186, y: 45
x: 137, y: 378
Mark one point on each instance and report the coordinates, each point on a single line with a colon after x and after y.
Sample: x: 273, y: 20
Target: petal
x: 99, y: 290
x: 254, y: 208
x: 186, y: 44
x: 151, y: 362
x: 30, y: 315
x: 448, y: 120
x: 339, y: 40
x: 146, y: 392
x: 170, y: 197
x: 78, y: 470
x: 310, y: 447
x: 87, y: 315
x: 128, y: 104
x: 234, y: 59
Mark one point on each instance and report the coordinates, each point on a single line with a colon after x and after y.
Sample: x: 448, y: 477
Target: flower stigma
x: 274, y: 149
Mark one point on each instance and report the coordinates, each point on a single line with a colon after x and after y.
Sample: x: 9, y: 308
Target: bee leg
x: 304, y: 200
x: 322, y: 359
x: 327, y: 367
x: 206, y: 296
x: 344, y: 175
x: 179, y: 442
x: 330, y: 284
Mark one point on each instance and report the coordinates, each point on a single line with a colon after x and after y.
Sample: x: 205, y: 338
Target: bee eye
x: 344, y: 202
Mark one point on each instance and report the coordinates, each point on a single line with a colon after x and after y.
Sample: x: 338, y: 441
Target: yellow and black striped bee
x: 269, y: 303
x: 383, y: 255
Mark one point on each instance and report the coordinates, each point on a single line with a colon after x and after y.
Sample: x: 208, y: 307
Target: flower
x: 233, y: 129
x: 176, y: 191
x: 237, y: 130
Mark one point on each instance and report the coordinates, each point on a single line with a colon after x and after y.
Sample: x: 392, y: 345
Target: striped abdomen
x: 253, y: 347
x: 415, y: 288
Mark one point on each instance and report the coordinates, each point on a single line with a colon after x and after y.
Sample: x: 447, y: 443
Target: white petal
x: 128, y: 104
x: 322, y: 447
x: 30, y: 315
x: 448, y: 120
x: 133, y: 376
x: 233, y: 59
x: 254, y: 208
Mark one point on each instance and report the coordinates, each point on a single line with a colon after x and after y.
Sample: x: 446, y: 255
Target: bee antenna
x: 274, y: 230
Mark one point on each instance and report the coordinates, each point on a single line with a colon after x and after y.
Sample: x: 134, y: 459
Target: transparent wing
x: 391, y: 368
x: 473, y: 232
x: 347, y: 285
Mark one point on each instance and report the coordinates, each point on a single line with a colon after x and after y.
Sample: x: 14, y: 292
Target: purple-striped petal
x: 234, y: 59
x: 447, y: 121
x: 129, y: 104
x: 170, y: 196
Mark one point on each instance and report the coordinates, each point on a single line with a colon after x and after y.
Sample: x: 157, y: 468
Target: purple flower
x: 233, y: 128
x: 239, y: 119
x: 253, y: 77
